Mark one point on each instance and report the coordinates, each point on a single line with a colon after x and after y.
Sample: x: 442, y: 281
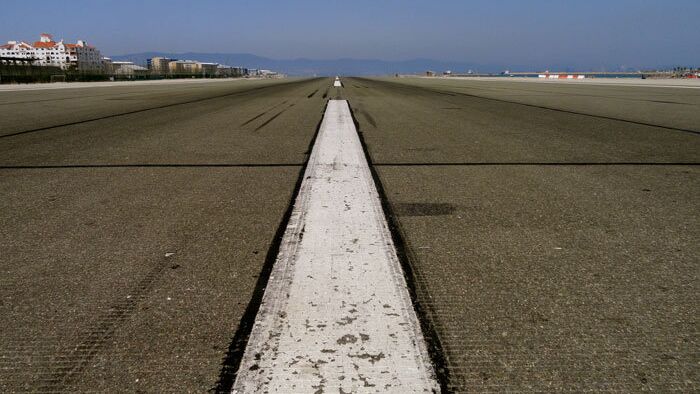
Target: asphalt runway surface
x: 549, y: 231
x: 132, y: 243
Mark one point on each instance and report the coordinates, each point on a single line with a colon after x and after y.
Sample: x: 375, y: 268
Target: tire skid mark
x: 254, y: 118
x: 67, y: 367
x: 238, y: 93
x: 545, y: 93
x: 426, y: 90
x: 312, y: 93
x: 65, y: 98
x: 267, y: 122
x: 366, y: 115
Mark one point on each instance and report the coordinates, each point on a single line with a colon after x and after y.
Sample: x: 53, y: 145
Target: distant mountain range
x: 307, y: 67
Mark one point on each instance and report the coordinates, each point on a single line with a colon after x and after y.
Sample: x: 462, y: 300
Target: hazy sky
x: 518, y: 32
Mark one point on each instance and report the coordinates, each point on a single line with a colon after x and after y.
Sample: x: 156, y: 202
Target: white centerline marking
x: 337, y: 83
x: 336, y: 314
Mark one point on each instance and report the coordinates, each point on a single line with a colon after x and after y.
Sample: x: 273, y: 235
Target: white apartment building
x: 47, y: 52
x: 17, y: 50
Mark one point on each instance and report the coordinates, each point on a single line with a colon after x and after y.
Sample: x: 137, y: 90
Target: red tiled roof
x: 40, y: 44
x: 6, y: 46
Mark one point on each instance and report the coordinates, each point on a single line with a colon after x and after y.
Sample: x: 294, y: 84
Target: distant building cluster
x: 686, y: 72
x: 163, y: 66
x: 82, y: 58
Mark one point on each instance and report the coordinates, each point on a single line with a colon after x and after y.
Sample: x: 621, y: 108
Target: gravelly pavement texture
x: 551, y: 229
x: 553, y: 250
x: 131, y: 244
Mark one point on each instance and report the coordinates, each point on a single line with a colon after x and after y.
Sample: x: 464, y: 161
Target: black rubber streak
x: 267, y: 122
x: 237, y: 93
x: 540, y: 107
x: 262, y: 114
x: 553, y: 164
x: 165, y: 165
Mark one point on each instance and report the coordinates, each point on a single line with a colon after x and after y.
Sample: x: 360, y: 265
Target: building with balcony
x: 79, y: 57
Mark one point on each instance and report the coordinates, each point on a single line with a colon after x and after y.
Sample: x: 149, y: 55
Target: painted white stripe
x: 336, y: 313
x: 337, y: 84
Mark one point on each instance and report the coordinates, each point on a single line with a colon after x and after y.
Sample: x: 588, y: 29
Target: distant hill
x: 306, y: 67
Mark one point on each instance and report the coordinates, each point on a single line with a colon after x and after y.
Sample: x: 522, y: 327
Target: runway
x: 547, y: 233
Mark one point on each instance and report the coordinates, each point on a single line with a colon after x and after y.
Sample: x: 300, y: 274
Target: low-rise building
x: 207, y: 69
x: 107, y: 66
x: 183, y: 67
x: 194, y: 68
x: 159, y: 65
x: 128, y: 69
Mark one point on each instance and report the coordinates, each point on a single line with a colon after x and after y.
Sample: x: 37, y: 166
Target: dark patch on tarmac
x: 424, y: 209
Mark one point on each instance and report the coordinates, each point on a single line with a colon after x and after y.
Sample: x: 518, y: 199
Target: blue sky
x: 580, y: 33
